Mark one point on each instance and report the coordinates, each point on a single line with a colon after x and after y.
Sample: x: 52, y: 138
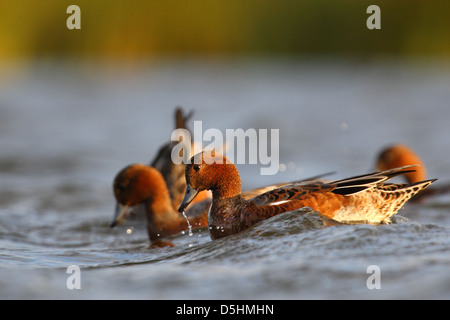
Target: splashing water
x: 189, y: 224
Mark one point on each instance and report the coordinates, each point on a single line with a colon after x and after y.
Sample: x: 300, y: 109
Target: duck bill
x: 189, y: 195
x: 119, y: 214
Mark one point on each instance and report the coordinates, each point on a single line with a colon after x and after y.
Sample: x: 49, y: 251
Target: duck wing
x: 346, y: 186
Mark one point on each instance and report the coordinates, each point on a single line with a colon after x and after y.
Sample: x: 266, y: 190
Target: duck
x: 158, y: 188
x: 360, y: 199
x: 399, y: 154
x: 143, y: 185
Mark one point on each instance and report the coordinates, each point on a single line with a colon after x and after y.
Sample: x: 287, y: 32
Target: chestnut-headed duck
x: 140, y: 184
x: 360, y: 199
x: 401, y: 155
x: 159, y: 187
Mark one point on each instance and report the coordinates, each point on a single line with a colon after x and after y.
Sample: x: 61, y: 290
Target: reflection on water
x: 65, y: 132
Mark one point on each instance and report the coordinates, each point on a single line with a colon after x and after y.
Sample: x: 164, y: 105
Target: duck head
x: 138, y: 184
x: 210, y: 171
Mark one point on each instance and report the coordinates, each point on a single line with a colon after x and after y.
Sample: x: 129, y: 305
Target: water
x: 66, y: 131
x: 188, y: 223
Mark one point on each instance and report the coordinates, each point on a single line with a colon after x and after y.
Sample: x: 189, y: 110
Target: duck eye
x: 196, y: 167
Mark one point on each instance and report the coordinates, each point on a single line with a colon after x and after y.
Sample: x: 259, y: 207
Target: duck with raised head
x: 142, y: 186
x: 158, y: 189
x: 360, y: 199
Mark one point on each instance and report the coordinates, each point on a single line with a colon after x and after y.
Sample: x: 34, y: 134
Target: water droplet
x: 189, y: 224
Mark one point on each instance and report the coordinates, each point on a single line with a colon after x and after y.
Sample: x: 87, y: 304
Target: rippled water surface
x: 66, y: 131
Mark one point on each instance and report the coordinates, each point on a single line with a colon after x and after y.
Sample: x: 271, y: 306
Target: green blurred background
x: 140, y: 29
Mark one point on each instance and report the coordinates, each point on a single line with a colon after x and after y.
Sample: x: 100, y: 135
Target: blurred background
x: 127, y: 54
x: 140, y: 29
x: 78, y: 105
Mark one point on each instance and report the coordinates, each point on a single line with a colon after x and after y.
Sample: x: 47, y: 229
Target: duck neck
x: 228, y: 185
x: 162, y: 219
x: 159, y: 207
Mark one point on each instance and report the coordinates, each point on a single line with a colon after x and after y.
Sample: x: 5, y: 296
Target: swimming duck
x: 140, y: 184
x: 158, y: 189
x: 401, y: 155
x: 360, y: 199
